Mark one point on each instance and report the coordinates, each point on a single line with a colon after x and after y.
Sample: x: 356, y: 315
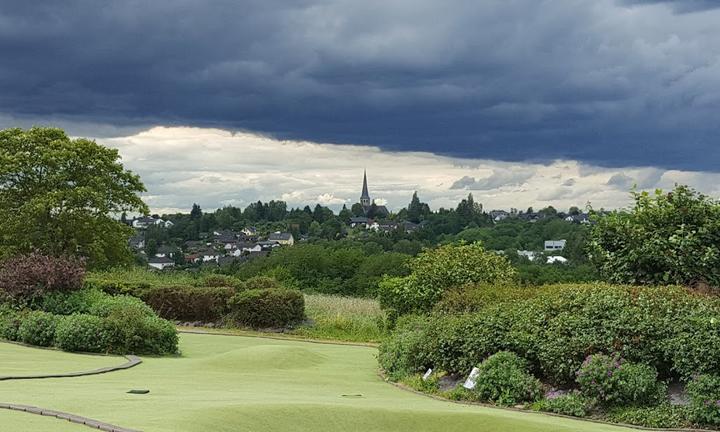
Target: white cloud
x: 213, y: 167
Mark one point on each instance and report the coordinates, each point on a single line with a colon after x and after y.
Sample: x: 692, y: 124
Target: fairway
x: 232, y: 383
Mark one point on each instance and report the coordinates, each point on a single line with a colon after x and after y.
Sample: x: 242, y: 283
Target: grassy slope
x: 343, y: 318
x: 230, y: 383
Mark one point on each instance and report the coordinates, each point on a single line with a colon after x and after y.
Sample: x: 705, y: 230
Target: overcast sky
x: 521, y: 102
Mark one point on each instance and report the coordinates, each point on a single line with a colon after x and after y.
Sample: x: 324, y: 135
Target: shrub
x: 82, y: 332
x: 434, y: 271
x: 663, y: 416
x: 219, y: 280
x: 611, y: 381
x: 38, y: 328
x: 189, y: 303
x: 405, y: 353
x: 570, y: 404
x: 108, y: 305
x: 10, y: 321
x: 704, y: 393
x: 504, y: 380
x: 267, y: 308
x: 26, y: 277
x: 132, y: 331
x: 60, y: 303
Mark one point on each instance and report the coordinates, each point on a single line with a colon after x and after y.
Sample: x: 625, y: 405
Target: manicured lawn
x: 231, y: 383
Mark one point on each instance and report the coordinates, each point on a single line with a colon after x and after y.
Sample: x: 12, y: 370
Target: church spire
x: 365, y: 196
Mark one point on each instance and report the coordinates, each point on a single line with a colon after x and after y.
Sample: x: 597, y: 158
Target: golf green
x: 232, y: 383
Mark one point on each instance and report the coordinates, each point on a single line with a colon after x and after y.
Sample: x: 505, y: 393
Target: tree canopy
x: 60, y: 196
x: 665, y: 238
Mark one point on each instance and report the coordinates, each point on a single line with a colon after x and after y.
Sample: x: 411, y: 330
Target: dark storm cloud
x: 603, y: 82
x: 682, y: 6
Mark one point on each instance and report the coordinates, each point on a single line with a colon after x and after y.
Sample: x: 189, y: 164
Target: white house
x: 555, y: 245
x: 160, y: 263
x: 556, y: 259
x: 531, y: 255
x: 146, y: 221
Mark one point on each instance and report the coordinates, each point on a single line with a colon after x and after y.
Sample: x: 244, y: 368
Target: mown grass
x: 229, y: 383
x: 343, y: 318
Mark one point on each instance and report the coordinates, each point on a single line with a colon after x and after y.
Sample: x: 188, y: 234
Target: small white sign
x: 470, y: 381
x: 427, y: 374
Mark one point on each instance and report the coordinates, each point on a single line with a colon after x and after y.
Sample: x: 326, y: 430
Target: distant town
x: 232, y: 236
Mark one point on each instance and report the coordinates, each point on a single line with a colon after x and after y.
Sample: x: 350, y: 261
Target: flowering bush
x: 612, y: 381
x: 704, y: 393
x: 27, y: 277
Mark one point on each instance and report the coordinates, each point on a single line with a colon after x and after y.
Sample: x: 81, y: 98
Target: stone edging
x: 404, y: 387
x: 95, y: 424
x: 131, y: 362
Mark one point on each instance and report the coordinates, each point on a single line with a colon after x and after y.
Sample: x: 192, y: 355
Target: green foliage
x: 67, y: 304
x: 187, y: 303
x: 416, y: 382
x: 504, y: 380
x: 325, y: 268
x: 219, y: 280
x: 435, y: 271
x: 106, y: 306
x: 260, y: 282
x: 404, y: 353
x: 267, y: 308
x: 556, y: 327
x: 10, y: 321
x: 133, y: 330
x: 82, y: 332
x: 704, y: 393
x: 612, y: 381
x: 570, y: 404
x: 665, y: 238
x: 68, y: 209
x: 533, y: 274
x: 38, y: 328
x: 663, y: 416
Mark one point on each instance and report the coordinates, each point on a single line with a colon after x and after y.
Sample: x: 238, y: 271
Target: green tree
x: 60, y: 196
x: 435, y: 271
x: 196, y: 212
x: 666, y: 238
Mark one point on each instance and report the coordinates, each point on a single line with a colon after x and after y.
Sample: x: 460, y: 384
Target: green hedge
x: 189, y: 303
x: 82, y: 332
x: 668, y: 328
x: 504, y: 380
x: 267, y: 308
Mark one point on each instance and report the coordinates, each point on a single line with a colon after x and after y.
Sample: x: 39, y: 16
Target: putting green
x: 231, y: 383
x: 17, y: 360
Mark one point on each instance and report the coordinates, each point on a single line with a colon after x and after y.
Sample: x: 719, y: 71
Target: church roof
x: 365, y: 193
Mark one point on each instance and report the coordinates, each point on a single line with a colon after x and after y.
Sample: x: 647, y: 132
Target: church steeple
x: 365, y: 196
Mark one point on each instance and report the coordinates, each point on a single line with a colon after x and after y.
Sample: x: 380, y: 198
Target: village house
x: 148, y: 221
x: 160, y: 263
x: 282, y: 238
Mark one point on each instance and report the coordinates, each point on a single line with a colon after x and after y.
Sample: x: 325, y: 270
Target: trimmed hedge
x: 668, y: 328
x: 612, y: 381
x: 189, y: 303
x: 704, y: 393
x: 267, y: 308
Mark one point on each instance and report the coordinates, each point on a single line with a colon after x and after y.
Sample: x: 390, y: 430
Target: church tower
x: 365, y: 196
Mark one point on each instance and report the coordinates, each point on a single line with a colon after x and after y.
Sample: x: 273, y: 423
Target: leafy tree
x: 666, y: 238
x: 59, y: 196
x: 345, y: 214
x: 437, y: 270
